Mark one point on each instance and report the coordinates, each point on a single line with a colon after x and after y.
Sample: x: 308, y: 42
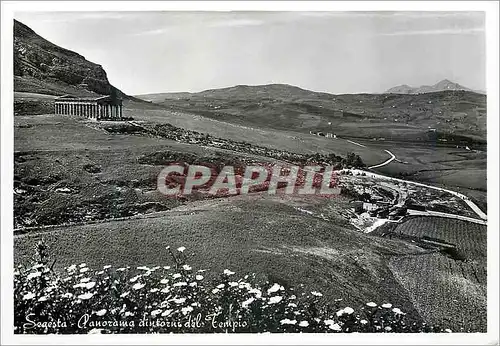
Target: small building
x: 370, y: 206
x: 103, y: 107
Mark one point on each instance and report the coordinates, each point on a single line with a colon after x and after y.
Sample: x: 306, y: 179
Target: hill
x: 418, y: 117
x: 44, y: 68
x: 443, y: 85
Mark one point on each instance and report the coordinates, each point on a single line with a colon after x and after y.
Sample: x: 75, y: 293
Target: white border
x: 491, y: 337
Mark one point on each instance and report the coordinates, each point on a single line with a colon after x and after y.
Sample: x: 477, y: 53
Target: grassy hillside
x: 420, y: 117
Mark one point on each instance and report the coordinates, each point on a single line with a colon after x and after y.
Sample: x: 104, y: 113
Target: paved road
x: 446, y: 215
x: 393, y: 157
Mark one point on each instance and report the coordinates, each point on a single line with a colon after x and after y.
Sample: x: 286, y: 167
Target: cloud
x: 450, y: 31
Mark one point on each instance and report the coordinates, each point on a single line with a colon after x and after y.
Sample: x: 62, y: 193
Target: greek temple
x: 98, y: 108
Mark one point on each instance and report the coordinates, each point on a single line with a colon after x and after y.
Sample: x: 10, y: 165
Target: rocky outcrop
x: 43, y: 67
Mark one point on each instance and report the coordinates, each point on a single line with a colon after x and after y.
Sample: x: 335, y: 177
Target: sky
x: 335, y: 52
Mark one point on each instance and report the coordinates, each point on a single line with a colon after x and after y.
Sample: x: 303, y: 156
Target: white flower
x: 83, y: 265
x: 397, y: 311
x: 317, y: 294
x: 85, y: 296
x: 181, y: 249
x: 84, y: 270
x: 165, y: 290
x: 233, y: 284
x: 128, y: 313
x: 79, y: 285
x: 67, y: 295
x: 166, y: 312
x: 388, y: 328
x: 303, y: 324
x: 123, y: 295
x: 387, y: 305
x: 84, y: 279
x: 101, y: 312
x: 34, y: 275
x: 348, y: 310
x: 42, y: 299
x: 186, y: 267
x: 275, y: 299
x: 448, y: 330
x: 71, y: 268
x: 327, y: 322
x: 293, y: 305
x: 176, y: 276
x: 288, y: 321
x: 179, y: 284
x: 335, y: 327
x: 138, y: 286
x: 199, y: 277
x: 186, y: 310
x: 100, y: 272
x: 164, y: 281
x: 363, y: 321
x: 193, y: 284
x: 90, y: 285
x: 220, y: 286
x: 247, y: 302
x: 274, y: 288
x: 155, y: 312
x: 256, y: 291
x: 371, y: 304
x: 135, y: 278
x: 228, y: 272
x: 154, y: 290
x: 121, y: 269
x: 144, y: 268
x: 106, y: 267
x: 293, y: 296
x: 28, y: 296
x: 179, y: 300
x: 215, y: 290
x: 166, y: 267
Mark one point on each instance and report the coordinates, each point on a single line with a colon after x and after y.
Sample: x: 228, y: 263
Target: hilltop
x: 443, y: 85
x: 42, y: 67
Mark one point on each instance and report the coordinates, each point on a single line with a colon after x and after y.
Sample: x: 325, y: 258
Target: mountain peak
x: 443, y: 85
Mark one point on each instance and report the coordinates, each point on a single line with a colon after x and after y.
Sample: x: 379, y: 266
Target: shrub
x: 179, y: 299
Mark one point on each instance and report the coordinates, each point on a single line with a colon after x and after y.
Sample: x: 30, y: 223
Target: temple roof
x: 75, y: 98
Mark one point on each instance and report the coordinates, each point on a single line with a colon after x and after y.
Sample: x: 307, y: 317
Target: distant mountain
x: 45, y: 68
x: 443, y: 85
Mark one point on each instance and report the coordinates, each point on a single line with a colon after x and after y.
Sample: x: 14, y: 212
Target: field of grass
x: 450, y: 293
x: 258, y: 234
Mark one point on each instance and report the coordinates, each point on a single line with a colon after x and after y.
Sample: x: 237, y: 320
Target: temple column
x: 121, y: 111
x: 72, y: 108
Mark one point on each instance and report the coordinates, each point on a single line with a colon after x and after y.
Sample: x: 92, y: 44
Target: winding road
x: 393, y: 157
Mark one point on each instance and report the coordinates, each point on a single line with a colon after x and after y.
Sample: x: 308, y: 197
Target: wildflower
x: 155, y: 312
x: 100, y: 272
x: 397, y: 311
x: 233, y: 284
x: 128, y: 313
x: 288, y: 321
x: 166, y: 312
x: 247, y: 302
x: 179, y: 300
x: 164, y: 281
x: 293, y: 305
x: 274, y: 288
x: 275, y: 299
x: 135, y: 278
x: 186, y: 267
x: 199, y: 277
x: 304, y: 324
x: 181, y: 249
x: 195, y: 304
x: 186, y: 310
x: 101, y: 312
x: 220, y: 286
x: 340, y: 312
x: 166, y: 267
x: 67, y: 295
x: 328, y: 322
x: 348, y: 310
x: 85, y: 296
x: 179, y: 284
x: 387, y: 305
x: 34, y: 275
x: 43, y: 299
x: 138, y: 286
x: 256, y: 291
x: 79, y: 285
x: 165, y: 290
x: 90, y: 285
x: 193, y: 284
x: 121, y: 269
x: 84, y: 270
x: 154, y: 290
x: 335, y: 327
x: 123, y: 295
x: 84, y: 279
x: 83, y: 265
x: 448, y: 330
x: 215, y: 291
x: 176, y: 275
x: 71, y: 268
x: 144, y: 268
x: 106, y: 267
x: 388, y: 328
x: 363, y: 321
x: 371, y: 304
x: 228, y: 272
x: 293, y: 296
x: 317, y: 294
